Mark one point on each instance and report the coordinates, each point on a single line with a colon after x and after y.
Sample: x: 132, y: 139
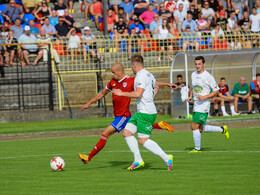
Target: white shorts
x: 131, y: 127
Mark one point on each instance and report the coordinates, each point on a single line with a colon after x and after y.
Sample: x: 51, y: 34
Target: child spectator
x: 222, y: 21
x: 140, y: 6
x: 255, y: 21
x: 163, y: 35
x: 10, y: 50
x: 255, y: 90
x: 180, y: 15
x: 241, y: 91
x: 89, y: 45
x: 96, y: 10
x: 74, y: 43
x: 189, y: 40
x: 147, y: 17
x: 128, y: 7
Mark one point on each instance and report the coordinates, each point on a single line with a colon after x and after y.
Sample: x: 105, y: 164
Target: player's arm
x: 134, y: 94
x: 190, y: 96
x: 211, y: 95
x: 161, y: 84
x: 100, y: 95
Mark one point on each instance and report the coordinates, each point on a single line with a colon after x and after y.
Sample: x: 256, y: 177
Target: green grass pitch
x: 224, y: 167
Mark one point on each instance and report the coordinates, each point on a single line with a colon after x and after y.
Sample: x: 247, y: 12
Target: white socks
x: 133, y: 146
x: 232, y: 108
x: 153, y: 147
x: 223, y: 109
x: 197, y: 139
x: 210, y: 128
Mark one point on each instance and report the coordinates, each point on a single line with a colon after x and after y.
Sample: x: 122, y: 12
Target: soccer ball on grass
x: 57, y: 164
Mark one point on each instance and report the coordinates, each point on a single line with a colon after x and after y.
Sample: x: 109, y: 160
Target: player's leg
x: 110, y: 130
x: 163, y: 125
x: 196, y: 131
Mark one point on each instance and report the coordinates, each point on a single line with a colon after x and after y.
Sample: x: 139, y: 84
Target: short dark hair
x: 200, y: 58
x: 137, y: 59
x: 222, y: 78
x: 257, y: 74
x: 179, y: 76
x: 121, y: 8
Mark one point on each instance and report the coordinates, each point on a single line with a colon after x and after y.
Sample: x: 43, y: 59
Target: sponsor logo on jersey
x: 124, y: 84
x: 197, y: 89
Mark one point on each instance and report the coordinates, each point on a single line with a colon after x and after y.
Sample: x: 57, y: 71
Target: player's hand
x: 201, y: 97
x: 189, y: 99
x: 117, y: 92
x: 173, y: 86
x: 86, y: 106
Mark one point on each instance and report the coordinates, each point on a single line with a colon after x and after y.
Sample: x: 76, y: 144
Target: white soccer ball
x: 57, y: 164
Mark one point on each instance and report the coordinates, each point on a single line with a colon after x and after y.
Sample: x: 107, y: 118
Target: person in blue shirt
x: 137, y: 26
x: 34, y: 30
x: 128, y: 7
x: 189, y: 39
x: 189, y: 22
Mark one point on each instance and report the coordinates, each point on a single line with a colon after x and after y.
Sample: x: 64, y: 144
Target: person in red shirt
x: 220, y: 44
x: 170, y: 5
x: 255, y: 90
x: 96, y: 10
x: 121, y: 108
x: 224, y: 96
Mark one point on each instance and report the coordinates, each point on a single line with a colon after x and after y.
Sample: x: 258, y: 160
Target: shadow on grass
x: 202, y: 149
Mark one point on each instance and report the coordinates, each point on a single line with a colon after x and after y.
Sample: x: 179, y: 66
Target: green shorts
x: 143, y: 122
x: 199, y: 117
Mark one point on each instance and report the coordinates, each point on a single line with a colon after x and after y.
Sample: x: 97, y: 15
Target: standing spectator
x: 69, y: 19
x: 147, y: 17
x: 115, y: 4
x: 235, y: 44
x: 244, y: 23
x: 128, y: 7
x: 140, y: 6
x: 54, y: 19
x: 29, y: 49
x: 180, y: 15
x: 189, y: 40
x: 241, y: 91
x: 231, y: 22
x: 60, y: 7
x: 43, y: 41
x: 255, y: 89
x: 189, y: 22
x: 123, y: 14
x: 222, y: 21
x: 29, y: 6
x: 164, y: 14
x: 4, y: 30
x: 34, y: 30
x: 208, y: 14
x: 10, y: 50
x: 134, y: 44
x: 171, y: 6
x: 70, y: 5
x: 62, y: 28
x: 255, y: 21
x: 137, y: 26
x: 96, y: 10
x: 43, y: 12
x: 163, y: 35
x: 17, y: 28
x: 120, y: 31
x: 2, y: 71
x: 185, y: 3
x: 89, y: 45
x: 50, y: 29
x: 12, y: 12
x: 74, y: 43
x: 155, y: 25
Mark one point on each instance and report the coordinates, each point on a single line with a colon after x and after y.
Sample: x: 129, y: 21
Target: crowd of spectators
x: 223, y: 21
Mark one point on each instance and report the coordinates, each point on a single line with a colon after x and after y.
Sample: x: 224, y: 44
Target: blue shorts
x: 120, y: 122
x: 88, y: 48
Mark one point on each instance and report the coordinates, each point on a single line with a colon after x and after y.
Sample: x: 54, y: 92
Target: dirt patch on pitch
x: 95, y: 132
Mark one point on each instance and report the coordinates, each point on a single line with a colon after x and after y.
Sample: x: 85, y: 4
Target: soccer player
x: 202, y: 83
x: 142, y: 122
x: 224, y: 96
x: 121, y: 108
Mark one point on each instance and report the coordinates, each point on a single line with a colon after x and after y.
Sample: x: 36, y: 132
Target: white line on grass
x: 124, y: 151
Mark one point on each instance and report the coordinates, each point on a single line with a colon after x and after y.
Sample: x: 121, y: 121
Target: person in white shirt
x: 179, y: 16
x: 74, y: 43
x: 231, y: 22
x: 203, y: 88
x: 163, y: 35
x: 208, y: 14
x: 255, y: 21
x: 185, y: 3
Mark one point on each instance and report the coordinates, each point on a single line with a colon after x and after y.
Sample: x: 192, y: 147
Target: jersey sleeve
x: 140, y: 82
x: 213, y: 84
x: 109, y: 86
